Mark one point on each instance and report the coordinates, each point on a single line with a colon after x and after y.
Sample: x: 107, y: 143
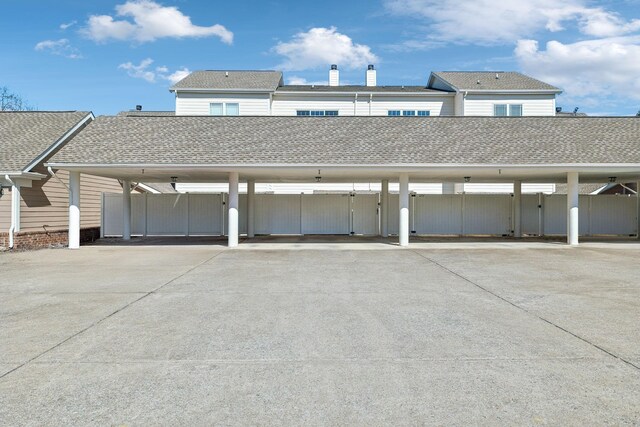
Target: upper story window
x: 507, y: 110
x: 317, y: 113
x: 224, y: 109
x: 420, y: 113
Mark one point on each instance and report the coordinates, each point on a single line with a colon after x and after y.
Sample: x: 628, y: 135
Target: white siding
x: 532, y: 105
x: 197, y: 104
x: 287, y: 105
x: 439, y: 106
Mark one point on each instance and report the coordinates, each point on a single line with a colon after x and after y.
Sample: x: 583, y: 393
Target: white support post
x: 126, y: 210
x: 572, y: 208
x: 638, y: 210
x: 74, y: 210
x: 517, y: 209
x: 15, y: 206
x: 233, y: 209
x: 403, y: 230
x: 251, y: 207
x: 384, y: 209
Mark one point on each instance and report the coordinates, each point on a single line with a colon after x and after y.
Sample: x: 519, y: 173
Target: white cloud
x: 177, y: 75
x: 60, y: 47
x: 593, y: 71
x: 486, y: 22
x: 297, y: 80
x: 320, y: 47
x: 146, y: 72
x: 149, y: 21
x: 67, y: 25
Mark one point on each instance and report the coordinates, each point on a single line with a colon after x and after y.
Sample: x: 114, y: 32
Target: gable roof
x: 26, y: 137
x: 243, y: 140
x: 227, y: 80
x: 505, y: 81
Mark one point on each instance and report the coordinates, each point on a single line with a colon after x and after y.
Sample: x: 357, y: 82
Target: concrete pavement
x: 293, y: 334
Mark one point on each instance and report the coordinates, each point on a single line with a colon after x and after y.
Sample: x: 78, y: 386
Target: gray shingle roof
x: 245, y: 80
x: 507, y: 81
x: 24, y: 136
x: 146, y: 113
x: 356, y: 88
x: 242, y: 140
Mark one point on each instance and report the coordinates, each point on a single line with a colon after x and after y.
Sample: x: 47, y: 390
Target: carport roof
x: 25, y: 136
x: 361, y: 141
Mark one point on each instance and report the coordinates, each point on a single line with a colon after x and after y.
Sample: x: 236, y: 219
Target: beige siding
x: 197, y: 104
x: 45, y: 204
x: 5, y: 211
x: 532, y: 105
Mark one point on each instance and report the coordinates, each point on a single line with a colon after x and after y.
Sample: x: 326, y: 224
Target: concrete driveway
x: 329, y: 334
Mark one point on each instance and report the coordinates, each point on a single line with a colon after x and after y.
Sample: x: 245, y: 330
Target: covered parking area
x: 362, y: 149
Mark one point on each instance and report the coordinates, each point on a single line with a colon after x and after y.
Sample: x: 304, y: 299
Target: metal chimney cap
x: 138, y: 107
x: 334, y: 67
x: 371, y: 67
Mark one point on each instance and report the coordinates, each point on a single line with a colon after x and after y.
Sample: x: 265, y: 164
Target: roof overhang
x: 596, y: 173
x: 225, y: 90
x: 362, y: 92
x: 21, y: 178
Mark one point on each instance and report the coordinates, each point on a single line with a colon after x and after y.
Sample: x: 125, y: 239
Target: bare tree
x: 10, y: 101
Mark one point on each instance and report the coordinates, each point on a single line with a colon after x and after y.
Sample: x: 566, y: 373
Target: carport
x: 362, y: 149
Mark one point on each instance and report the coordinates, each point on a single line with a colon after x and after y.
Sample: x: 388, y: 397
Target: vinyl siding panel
x: 45, y: 204
x: 439, y: 106
x: 532, y: 105
x: 197, y: 104
x: 287, y: 105
x: 5, y: 211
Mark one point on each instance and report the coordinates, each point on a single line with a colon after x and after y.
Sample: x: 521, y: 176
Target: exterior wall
x: 439, y: 106
x: 197, y: 104
x: 44, y: 206
x: 532, y: 105
x: 46, y: 239
x: 346, y: 105
x: 287, y: 105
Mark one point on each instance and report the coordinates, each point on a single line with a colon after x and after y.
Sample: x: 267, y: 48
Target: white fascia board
x: 567, y: 167
x: 511, y: 92
x: 363, y: 92
x: 212, y: 90
x: 63, y: 139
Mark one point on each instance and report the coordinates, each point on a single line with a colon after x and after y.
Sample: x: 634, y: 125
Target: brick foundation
x: 26, y: 240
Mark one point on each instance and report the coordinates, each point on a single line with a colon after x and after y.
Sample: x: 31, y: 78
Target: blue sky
x: 109, y: 55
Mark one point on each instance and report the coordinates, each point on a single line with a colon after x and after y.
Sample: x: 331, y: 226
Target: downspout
x: 355, y: 105
x: 12, y: 228
x: 52, y: 173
